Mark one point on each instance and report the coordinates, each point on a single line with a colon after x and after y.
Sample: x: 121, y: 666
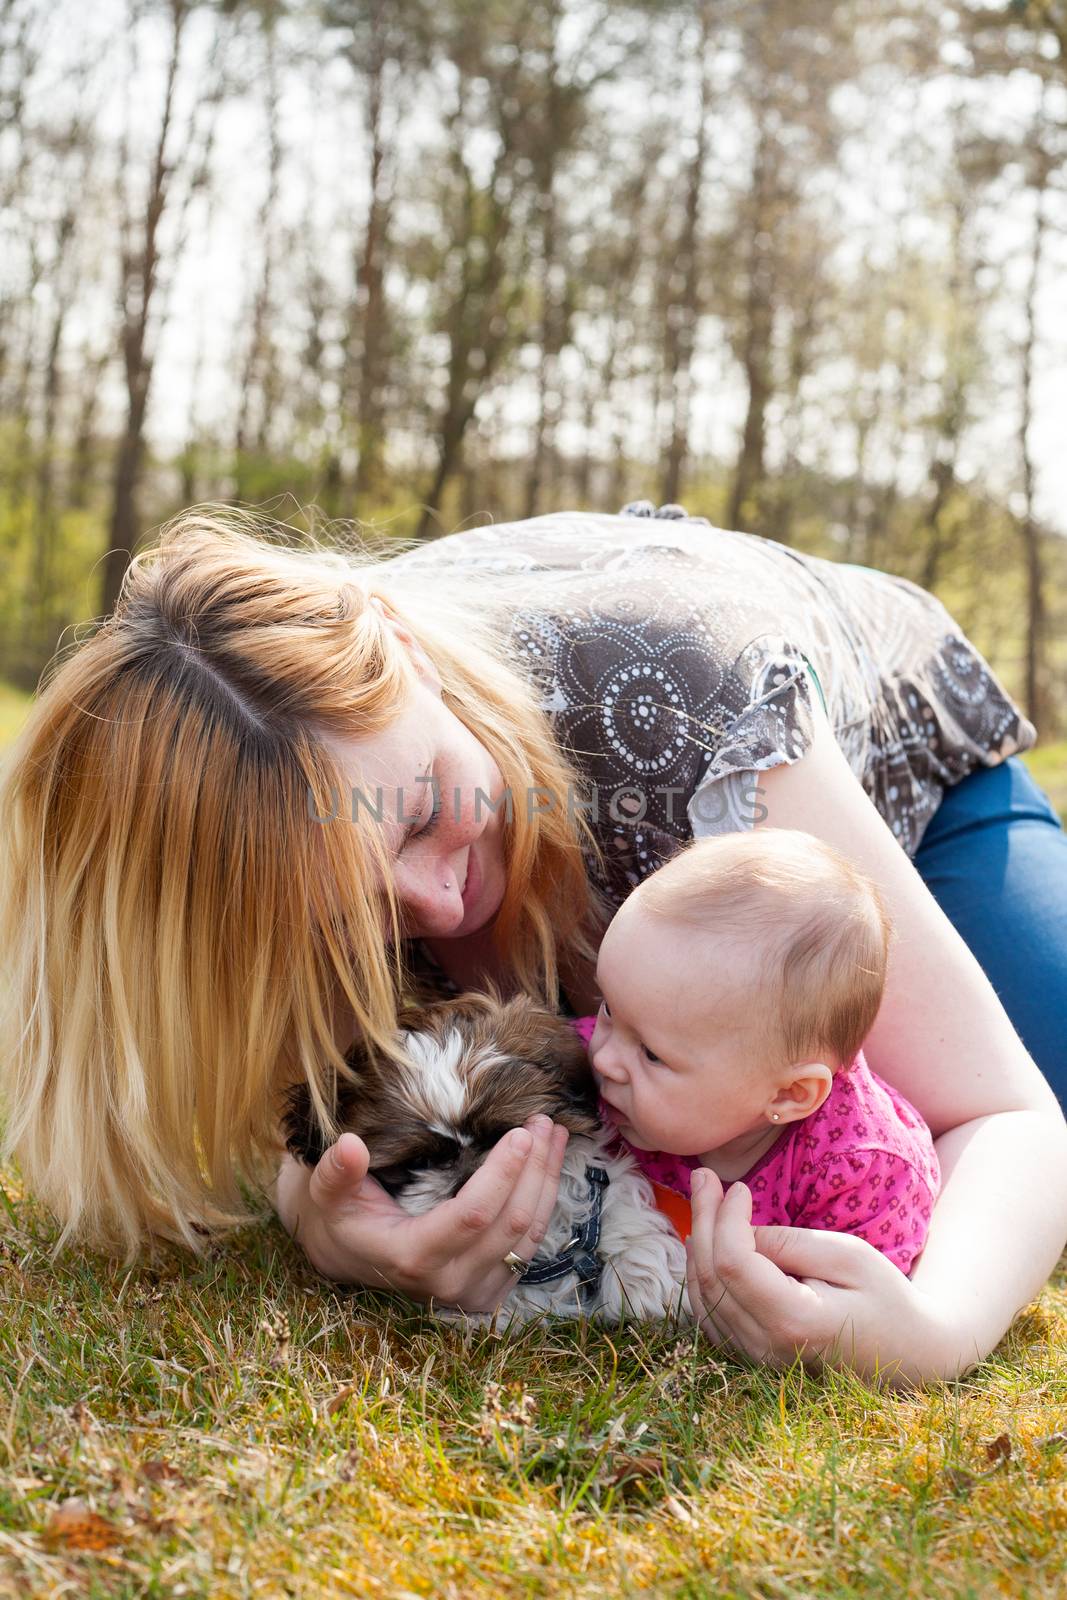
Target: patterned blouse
x: 677, y: 661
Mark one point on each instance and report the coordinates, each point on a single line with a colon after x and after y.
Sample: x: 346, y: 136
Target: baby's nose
x: 607, y: 1064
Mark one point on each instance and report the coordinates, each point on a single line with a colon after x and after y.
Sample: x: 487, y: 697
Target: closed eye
x: 393, y: 1178
x: 494, y: 1134
x: 420, y: 832
x: 438, y: 1150
x: 443, y: 1149
x: 435, y: 814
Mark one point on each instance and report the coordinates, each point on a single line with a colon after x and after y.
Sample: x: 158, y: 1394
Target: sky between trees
x: 798, y: 263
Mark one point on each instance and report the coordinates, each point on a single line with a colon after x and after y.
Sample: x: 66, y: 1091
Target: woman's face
x: 437, y: 786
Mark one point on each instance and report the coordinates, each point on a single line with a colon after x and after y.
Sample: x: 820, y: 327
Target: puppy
x: 477, y: 1066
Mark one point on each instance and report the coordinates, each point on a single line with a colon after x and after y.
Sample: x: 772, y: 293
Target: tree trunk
x: 681, y: 337
x: 758, y: 334
x: 81, y: 470
x: 1029, y: 530
x: 259, y: 376
x: 45, y: 511
x: 139, y: 282
x: 547, y: 370
x: 371, y: 306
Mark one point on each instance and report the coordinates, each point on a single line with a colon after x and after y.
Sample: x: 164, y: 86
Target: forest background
x: 798, y: 264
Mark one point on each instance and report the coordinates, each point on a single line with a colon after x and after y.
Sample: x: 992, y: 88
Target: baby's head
x: 736, y: 981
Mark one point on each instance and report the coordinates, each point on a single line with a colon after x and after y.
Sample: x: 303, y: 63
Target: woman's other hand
x: 354, y: 1232
x: 775, y: 1293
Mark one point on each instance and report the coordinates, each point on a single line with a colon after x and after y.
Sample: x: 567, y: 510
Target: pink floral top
x: 864, y: 1163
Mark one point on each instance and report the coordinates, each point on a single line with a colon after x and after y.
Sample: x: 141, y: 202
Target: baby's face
x: 674, y: 1048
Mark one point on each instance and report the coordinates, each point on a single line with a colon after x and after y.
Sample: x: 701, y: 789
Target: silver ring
x: 515, y: 1263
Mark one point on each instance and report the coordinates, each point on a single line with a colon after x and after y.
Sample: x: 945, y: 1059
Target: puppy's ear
x: 564, y: 1057
x: 579, y: 1099
x: 301, y: 1129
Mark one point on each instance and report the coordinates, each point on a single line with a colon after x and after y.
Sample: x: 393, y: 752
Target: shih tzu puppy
x: 477, y: 1066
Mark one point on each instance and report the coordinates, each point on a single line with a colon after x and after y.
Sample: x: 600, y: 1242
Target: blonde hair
x: 817, y: 927
x: 175, y: 929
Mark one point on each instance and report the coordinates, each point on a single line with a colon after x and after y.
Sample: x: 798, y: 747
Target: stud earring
x: 774, y: 1116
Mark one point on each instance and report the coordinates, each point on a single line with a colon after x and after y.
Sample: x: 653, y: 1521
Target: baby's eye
x: 650, y: 1057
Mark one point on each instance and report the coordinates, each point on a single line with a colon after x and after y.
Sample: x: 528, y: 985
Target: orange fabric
x: 676, y: 1207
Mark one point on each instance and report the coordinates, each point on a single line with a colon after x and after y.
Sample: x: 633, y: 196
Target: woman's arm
x: 944, y: 1040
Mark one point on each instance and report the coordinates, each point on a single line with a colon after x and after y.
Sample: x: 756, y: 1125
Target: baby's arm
x: 877, y: 1195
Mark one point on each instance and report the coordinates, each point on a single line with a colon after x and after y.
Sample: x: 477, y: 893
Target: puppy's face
x: 476, y: 1067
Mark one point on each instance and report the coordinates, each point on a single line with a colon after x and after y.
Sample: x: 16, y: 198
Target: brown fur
x: 517, y: 1059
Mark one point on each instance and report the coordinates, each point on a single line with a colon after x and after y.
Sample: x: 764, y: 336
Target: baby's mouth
x: 609, y: 1113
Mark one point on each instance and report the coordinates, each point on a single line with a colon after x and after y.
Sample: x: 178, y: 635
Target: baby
x: 738, y: 984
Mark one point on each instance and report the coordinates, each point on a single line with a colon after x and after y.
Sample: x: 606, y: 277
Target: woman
x: 271, y: 776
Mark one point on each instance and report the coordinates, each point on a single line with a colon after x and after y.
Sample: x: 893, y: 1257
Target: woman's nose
x: 431, y: 895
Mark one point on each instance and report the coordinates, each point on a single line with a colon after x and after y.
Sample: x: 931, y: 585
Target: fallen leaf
x: 75, y: 1525
x: 162, y: 1472
x: 959, y: 1482
x: 81, y: 1414
x: 125, y: 1484
x: 165, y: 1523
x: 340, y: 1397
x: 1000, y: 1449
x: 632, y: 1470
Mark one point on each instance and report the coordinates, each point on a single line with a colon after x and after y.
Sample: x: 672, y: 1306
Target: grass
x: 1048, y: 765
x: 236, y: 1426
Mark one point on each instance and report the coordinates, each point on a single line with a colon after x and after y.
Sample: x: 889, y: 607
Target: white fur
x: 644, y: 1259
x: 440, y: 1085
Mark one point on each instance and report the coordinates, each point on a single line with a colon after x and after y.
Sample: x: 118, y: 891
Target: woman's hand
x: 851, y: 1307
x: 353, y: 1231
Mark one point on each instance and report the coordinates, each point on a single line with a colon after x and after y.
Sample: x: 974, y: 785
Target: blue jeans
x: 994, y: 857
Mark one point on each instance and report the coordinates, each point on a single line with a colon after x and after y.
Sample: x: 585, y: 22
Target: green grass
x: 1048, y: 764
x: 240, y: 1427
x: 237, y: 1427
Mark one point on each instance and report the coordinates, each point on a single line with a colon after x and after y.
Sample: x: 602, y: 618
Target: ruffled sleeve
x: 774, y: 729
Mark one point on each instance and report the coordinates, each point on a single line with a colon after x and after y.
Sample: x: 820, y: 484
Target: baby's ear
x: 301, y: 1129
